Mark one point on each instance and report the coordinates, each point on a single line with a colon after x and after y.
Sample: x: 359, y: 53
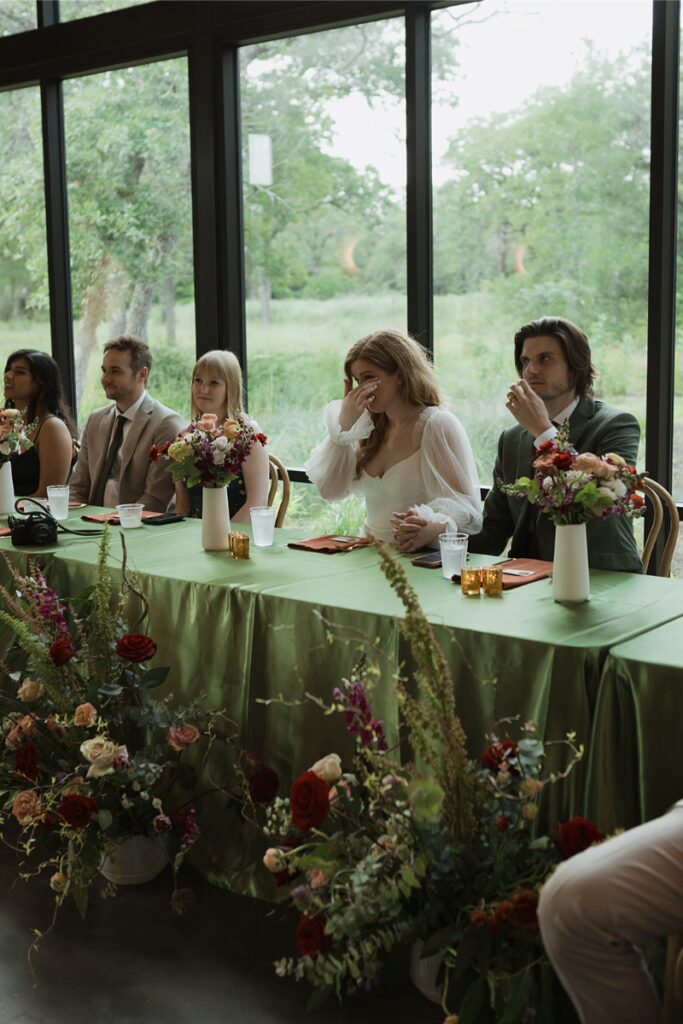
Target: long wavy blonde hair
x: 223, y: 366
x: 394, y: 352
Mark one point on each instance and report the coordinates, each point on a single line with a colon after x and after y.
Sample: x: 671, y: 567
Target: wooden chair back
x: 277, y: 473
x: 659, y: 496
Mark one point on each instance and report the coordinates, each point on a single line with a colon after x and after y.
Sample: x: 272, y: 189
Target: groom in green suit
x: 553, y: 360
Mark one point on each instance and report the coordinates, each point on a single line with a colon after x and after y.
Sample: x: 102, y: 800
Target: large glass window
x: 130, y: 223
x: 541, y: 196
x: 24, y: 309
x: 17, y: 16
x: 71, y: 9
x: 323, y: 119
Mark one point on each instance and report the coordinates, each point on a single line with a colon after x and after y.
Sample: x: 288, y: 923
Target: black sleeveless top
x: 26, y: 468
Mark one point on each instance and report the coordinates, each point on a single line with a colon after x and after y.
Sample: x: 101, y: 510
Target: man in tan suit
x: 113, y: 464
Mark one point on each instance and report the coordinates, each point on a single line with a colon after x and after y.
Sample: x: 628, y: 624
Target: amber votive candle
x: 470, y: 580
x: 240, y: 545
x: 492, y: 579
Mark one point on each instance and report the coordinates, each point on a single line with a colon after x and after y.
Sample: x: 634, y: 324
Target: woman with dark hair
x: 33, y: 384
x: 392, y: 440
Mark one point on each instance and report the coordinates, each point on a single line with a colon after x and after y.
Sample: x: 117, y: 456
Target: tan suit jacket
x: 140, y: 480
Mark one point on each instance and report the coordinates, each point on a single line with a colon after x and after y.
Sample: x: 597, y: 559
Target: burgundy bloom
x: 263, y: 785
x: 309, y: 801
x: 498, y: 756
x: 522, y: 913
x: 563, y: 460
x: 77, y: 809
x: 62, y: 650
x: 136, y: 647
x: 311, y: 936
x: 576, y: 835
x: 26, y: 761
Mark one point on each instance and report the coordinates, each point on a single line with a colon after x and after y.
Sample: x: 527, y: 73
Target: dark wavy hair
x: 49, y: 398
x: 573, y: 343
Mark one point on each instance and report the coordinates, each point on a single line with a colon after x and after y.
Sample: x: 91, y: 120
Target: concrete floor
x: 133, y: 961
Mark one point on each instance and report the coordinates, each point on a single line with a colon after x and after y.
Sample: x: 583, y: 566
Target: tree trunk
x: 139, y: 309
x: 167, y: 296
x: 94, y: 309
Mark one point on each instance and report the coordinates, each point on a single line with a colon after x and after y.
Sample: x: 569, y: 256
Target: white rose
x: 218, y: 458
x: 103, y: 764
x: 5, y: 448
x: 606, y: 492
x: 328, y: 768
x: 221, y: 443
x: 618, y: 487
x: 572, y: 474
x: 92, y: 748
x: 548, y: 483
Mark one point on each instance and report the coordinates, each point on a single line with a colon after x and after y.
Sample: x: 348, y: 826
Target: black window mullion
x: 662, y: 267
x: 57, y: 228
x: 419, y: 178
x: 230, y: 214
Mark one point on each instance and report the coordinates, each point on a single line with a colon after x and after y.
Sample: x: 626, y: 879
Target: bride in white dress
x: 391, y: 439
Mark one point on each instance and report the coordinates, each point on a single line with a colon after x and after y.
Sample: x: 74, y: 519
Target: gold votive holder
x: 239, y: 545
x: 492, y: 579
x: 470, y: 580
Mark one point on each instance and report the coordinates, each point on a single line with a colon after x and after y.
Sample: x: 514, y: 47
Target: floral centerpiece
x: 573, y: 488
x: 88, y: 757
x: 208, y: 453
x: 446, y: 850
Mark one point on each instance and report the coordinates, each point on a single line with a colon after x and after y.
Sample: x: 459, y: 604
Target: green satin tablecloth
x: 635, y: 769
x: 287, y: 622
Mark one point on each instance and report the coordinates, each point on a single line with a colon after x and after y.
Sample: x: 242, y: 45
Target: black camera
x: 35, y: 530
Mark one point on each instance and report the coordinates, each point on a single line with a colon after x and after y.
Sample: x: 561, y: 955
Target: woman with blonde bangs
x: 217, y: 388
x: 392, y: 440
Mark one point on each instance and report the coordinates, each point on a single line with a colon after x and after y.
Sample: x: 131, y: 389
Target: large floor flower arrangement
x: 88, y: 755
x: 445, y: 850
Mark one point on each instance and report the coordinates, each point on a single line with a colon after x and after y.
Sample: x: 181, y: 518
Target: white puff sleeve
x: 332, y: 465
x: 449, y: 473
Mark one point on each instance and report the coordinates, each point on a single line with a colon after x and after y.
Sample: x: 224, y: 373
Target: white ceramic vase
x: 424, y: 972
x: 215, y: 519
x: 6, y: 490
x: 571, y: 581
x: 134, y: 860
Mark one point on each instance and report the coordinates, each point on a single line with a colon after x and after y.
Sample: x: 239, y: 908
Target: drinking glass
x: 453, y: 552
x: 130, y: 516
x: 263, y: 525
x: 58, y: 501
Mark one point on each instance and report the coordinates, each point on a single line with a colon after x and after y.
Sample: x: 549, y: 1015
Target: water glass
x: 263, y: 525
x: 453, y: 552
x: 130, y: 516
x: 58, y: 501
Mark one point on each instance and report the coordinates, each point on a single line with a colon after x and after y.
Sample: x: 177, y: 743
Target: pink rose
x: 85, y: 714
x: 318, y: 878
x: 587, y: 461
x: 182, y: 736
x: 162, y: 823
x: 207, y: 422
x: 26, y: 806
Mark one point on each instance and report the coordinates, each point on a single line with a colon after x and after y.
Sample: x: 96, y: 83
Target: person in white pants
x: 600, y: 905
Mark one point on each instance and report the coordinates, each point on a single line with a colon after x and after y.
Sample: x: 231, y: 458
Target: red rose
x: 576, y: 835
x: 263, y: 785
x: 502, y: 910
x: 26, y: 761
x: 499, y: 755
x: 309, y: 801
x: 154, y: 453
x: 478, y: 917
x: 522, y: 913
x: 502, y: 822
x: 547, y: 446
x: 311, y: 936
x: 136, y: 647
x: 637, y: 501
x: 77, y: 809
x: 563, y: 460
x: 62, y: 650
